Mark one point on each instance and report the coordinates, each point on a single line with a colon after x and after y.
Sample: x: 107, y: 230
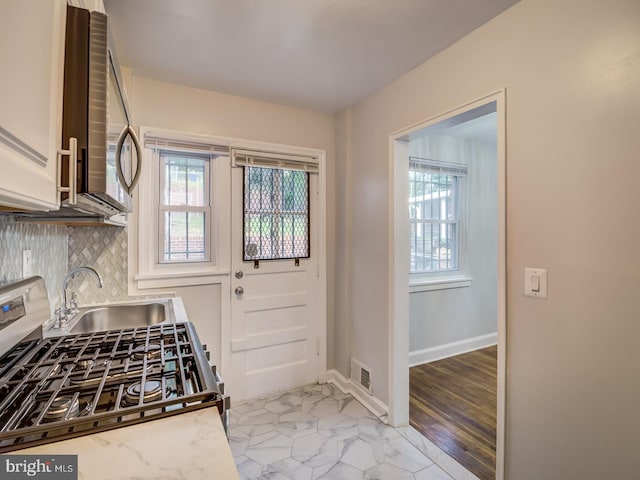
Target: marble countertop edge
x: 190, y: 445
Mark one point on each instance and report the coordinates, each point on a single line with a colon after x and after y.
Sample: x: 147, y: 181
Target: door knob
x: 239, y: 274
x: 239, y: 291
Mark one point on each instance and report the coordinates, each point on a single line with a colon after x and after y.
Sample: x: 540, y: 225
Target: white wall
x: 202, y: 304
x: 339, y: 344
x: 572, y: 70
x: 174, y: 107
x: 440, y: 317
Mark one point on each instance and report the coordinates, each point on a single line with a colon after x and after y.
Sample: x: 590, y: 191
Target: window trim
x: 421, y: 284
x: 144, y: 272
x: 458, y: 172
x: 147, y: 273
x: 207, y: 209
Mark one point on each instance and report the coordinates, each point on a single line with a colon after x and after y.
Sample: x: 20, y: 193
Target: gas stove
x: 62, y: 387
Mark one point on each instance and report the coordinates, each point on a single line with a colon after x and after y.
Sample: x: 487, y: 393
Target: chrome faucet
x: 70, y: 308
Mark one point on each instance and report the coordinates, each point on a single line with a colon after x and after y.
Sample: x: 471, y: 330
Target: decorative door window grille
x: 275, y: 214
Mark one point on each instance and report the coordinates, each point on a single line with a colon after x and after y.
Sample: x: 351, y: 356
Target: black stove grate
x: 59, y: 388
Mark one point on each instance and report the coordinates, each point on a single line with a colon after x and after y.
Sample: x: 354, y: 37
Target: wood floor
x: 453, y: 404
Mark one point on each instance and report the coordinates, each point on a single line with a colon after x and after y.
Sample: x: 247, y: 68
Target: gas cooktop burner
x: 152, y: 351
x: 151, y: 391
x: 64, y: 387
x: 85, y: 364
x: 59, y: 408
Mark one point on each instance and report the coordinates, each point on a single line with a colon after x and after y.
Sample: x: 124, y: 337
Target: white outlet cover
x: 27, y: 265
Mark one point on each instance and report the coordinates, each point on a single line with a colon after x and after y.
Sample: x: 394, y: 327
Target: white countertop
x: 189, y: 445
x: 186, y: 446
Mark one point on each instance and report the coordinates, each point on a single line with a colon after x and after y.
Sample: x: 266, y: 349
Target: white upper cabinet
x: 32, y: 56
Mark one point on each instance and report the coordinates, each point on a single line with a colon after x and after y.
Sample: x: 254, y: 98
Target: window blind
x: 254, y: 158
x: 437, y: 167
x: 183, y: 145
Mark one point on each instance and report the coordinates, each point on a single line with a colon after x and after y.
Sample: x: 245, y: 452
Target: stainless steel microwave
x: 104, y: 165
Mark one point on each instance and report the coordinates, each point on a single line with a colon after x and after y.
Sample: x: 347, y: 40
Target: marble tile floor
x: 317, y: 432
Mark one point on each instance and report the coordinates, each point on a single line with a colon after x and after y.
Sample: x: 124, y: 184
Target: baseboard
x: 371, y: 402
x: 450, y: 349
x: 438, y: 456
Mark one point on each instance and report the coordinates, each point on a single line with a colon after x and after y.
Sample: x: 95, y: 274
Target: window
x: 184, y: 210
x: 276, y: 213
x: 434, y: 215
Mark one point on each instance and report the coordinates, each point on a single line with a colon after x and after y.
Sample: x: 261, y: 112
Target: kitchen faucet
x: 68, y: 309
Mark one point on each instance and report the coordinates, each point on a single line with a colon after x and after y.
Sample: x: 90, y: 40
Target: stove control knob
x: 208, y: 355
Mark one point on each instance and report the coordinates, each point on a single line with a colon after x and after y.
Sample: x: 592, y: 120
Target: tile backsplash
x: 49, y: 253
x: 56, y: 249
x: 104, y: 249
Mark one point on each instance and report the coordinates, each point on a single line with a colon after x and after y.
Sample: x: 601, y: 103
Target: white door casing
x: 278, y: 322
x: 398, y: 289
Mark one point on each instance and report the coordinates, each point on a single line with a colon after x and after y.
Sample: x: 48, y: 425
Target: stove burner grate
x: 102, y: 380
x: 153, y: 351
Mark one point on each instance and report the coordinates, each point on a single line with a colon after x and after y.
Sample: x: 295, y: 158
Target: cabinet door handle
x: 128, y: 131
x: 72, y: 189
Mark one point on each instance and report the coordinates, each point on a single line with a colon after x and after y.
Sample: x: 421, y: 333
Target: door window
x: 275, y: 214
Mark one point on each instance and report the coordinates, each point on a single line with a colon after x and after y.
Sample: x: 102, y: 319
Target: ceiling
x: 482, y: 129
x: 324, y: 55
x: 479, y: 124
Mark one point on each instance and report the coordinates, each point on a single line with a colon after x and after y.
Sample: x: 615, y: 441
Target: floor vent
x: 361, y: 375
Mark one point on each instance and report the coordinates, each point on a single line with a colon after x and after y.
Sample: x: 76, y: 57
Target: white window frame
x: 205, y: 209
x: 144, y: 242
x: 449, y: 278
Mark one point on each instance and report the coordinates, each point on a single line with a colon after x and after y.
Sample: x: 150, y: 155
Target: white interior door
x: 276, y: 316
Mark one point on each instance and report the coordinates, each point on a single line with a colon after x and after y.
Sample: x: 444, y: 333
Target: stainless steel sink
x: 112, y: 317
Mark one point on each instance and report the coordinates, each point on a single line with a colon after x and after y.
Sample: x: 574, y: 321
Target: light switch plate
x: 535, y: 277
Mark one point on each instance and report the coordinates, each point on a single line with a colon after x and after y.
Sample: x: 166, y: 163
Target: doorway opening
x: 447, y: 286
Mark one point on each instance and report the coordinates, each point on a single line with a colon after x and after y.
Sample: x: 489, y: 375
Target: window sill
x: 180, y: 279
x: 442, y: 283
